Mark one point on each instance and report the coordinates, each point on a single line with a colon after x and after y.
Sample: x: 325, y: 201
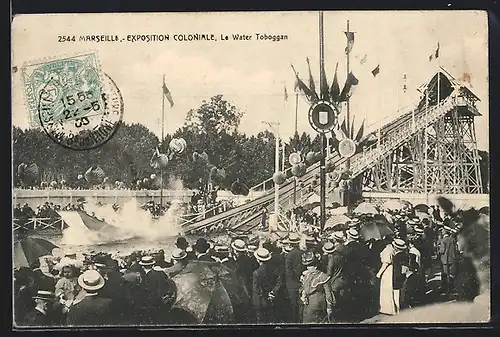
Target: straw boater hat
x: 262, y: 254
x: 399, y: 244
x: 179, y: 254
x: 91, y: 280
x: 338, y: 236
x: 252, y: 248
x: 44, y: 295
x: 419, y: 230
x: 328, y: 247
x: 308, y: 258
x: 239, y: 245
x: 287, y: 248
x: 293, y: 238
x: 147, y: 261
x: 352, y: 234
x: 311, y: 241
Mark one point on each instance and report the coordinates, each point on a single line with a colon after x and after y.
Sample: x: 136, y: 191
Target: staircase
x: 248, y: 216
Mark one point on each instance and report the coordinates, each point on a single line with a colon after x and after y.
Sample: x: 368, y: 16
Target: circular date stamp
x: 92, y: 130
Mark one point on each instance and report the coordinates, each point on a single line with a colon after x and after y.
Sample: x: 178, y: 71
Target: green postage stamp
x: 63, y: 89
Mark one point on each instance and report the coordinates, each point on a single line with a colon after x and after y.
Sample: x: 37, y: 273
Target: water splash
x: 130, y: 222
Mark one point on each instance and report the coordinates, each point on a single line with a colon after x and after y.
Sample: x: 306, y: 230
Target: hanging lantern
x: 162, y: 161
x: 302, y: 169
x: 204, y: 157
x: 310, y: 157
x: 295, y: 170
x: 221, y: 174
x: 32, y: 172
x: 330, y: 166
x: 176, y: 146
x: 335, y: 176
x: 294, y: 158
x: 345, y: 174
x: 347, y: 148
x: 279, y: 178
x: 21, y: 169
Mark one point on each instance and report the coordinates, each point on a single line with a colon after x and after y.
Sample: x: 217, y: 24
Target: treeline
x: 212, y: 128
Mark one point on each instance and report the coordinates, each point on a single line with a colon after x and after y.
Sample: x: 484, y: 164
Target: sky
x: 252, y: 74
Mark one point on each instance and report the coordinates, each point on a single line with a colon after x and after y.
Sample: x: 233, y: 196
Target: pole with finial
x: 162, y: 139
x: 323, y: 137
x: 348, y: 107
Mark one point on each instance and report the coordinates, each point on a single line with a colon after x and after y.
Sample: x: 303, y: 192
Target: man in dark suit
x: 293, y: 271
x: 93, y: 310
x: 266, y: 283
x: 413, y: 290
x: 183, y: 244
x: 201, y: 249
x: 243, y: 265
x: 447, y: 251
x: 40, y: 315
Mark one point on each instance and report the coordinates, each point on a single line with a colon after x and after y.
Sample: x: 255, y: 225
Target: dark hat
x: 182, y: 243
x: 308, y: 258
x: 328, y: 247
x: 147, y: 261
x: 201, y: 245
x: 44, y: 295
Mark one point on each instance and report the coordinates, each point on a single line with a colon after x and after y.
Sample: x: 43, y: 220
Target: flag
x: 376, y: 70
x: 350, y: 81
x: 434, y: 55
x: 312, y: 86
x: 361, y: 130
x: 286, y: 95
x: 364, y: 59
x: 343, y: 128
x: 335, y: 89
x: 301, y: 86
x: 167, y: 94
x: 350, y: 41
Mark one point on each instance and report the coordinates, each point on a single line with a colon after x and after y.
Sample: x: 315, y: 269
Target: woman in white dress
x: 387, y: 303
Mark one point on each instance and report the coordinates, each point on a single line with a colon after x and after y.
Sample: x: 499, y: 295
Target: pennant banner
x: 350, y: 41
x: 167, y: 94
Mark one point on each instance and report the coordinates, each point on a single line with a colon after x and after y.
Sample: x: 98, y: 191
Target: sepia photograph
x: 230, y: 168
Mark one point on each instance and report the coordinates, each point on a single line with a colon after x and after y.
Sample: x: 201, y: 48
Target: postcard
x: 226, y: 168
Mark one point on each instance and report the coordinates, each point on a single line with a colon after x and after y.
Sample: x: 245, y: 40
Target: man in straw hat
x: 293, y: 271
x: 399, y: 261
x: 180, y: 259
x: 93, y: 309
x: 243, y: 264
x: 266, y: 281
x: 41, y: 315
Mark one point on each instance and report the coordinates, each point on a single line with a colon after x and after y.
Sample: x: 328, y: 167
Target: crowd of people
x: 333, y: 277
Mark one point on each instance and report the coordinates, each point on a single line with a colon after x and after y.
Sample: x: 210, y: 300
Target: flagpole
x: 296, y: 144
x: 323, y: 137
x: 426, y: 146
x: 162, y: 139
x: 348, y: 108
